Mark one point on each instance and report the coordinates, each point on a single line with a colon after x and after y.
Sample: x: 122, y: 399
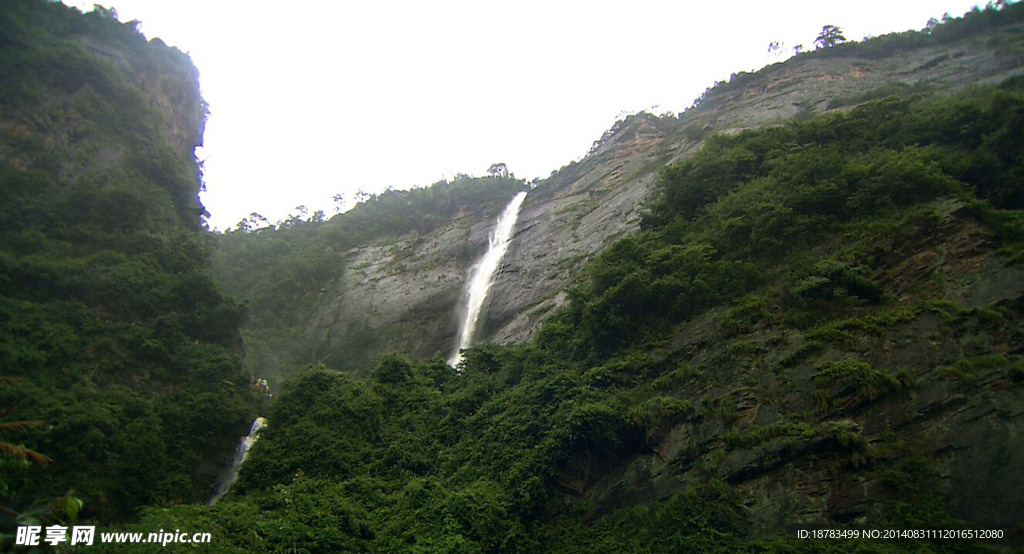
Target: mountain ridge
x: 799, y: 303
x: 579, y: 210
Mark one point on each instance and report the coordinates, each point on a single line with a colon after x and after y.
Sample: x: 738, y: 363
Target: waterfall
x: 481, y: 275
x: 243, y: 450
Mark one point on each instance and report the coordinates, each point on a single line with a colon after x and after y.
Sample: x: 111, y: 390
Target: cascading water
x: 481, y: 275
x: 240, y: 454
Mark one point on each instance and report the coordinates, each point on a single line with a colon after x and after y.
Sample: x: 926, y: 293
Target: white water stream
x: 481, y: 275
x: 240, y: 454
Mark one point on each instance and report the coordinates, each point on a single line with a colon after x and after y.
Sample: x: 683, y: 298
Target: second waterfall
x: 481, y: 275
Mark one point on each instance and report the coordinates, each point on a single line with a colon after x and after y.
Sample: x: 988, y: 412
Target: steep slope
x: 818, y: 324
x: 114, y: 340
x: 587, y: 205
x: 386, y: 275
x: 403, y: 292
x: 875, y: 365
x: 814, y: 323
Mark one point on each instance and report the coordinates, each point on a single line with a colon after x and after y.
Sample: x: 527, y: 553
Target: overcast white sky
x: 310, y: 98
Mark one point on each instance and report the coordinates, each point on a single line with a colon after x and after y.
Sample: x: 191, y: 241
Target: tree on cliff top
x: 498, y: 170
x: 830, y: 36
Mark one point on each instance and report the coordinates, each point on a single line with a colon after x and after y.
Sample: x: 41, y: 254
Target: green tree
x: 498, y: 170
x: 829, y: 36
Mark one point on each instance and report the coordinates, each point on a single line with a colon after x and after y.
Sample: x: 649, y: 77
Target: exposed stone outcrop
x: 391, y: 294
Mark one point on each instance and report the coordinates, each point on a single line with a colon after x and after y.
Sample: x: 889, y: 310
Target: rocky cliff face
x: 391, y: 294
x: 167, y: 78
x: 586, y: 206
x: 64, y: 98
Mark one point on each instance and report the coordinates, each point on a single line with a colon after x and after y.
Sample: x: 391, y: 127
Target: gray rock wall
x: 406, y: 295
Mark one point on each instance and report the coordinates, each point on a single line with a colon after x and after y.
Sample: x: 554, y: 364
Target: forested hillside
x: 120, y: 377
x: 818, y: 323
x: 814, y: 317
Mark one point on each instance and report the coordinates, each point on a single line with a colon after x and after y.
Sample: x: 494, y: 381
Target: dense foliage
x: 776, y: 318
x: 783, y: 232
x: 123, y: 347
